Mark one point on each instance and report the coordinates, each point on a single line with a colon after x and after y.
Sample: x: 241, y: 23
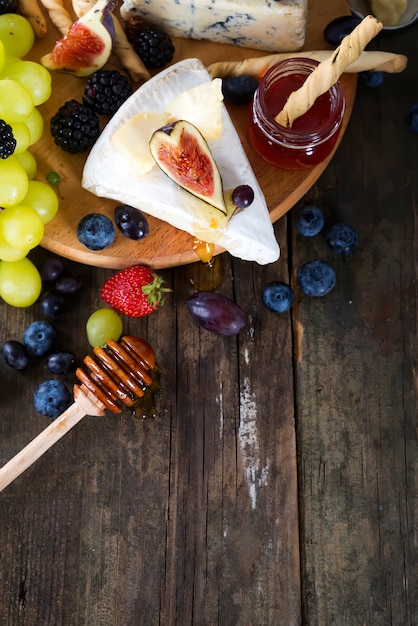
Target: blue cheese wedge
x: 271, y: 25
x: 115, y: 169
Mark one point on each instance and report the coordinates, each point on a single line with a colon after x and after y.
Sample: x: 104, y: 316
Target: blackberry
x: 75, y: 127
x: 8, y: 6
x: 154, y: 47
x: 106, y: 91
x: 7, y: 140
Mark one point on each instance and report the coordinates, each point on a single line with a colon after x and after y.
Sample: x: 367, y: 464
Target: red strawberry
x: 135, y: 291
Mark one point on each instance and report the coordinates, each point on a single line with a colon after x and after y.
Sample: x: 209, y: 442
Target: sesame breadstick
x: 329, y: 71
x: 59, y: 16
x: 372, y: 60
x: 30, y: 9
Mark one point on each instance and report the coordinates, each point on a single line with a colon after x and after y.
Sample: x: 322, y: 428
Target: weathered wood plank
x: 356, y: 381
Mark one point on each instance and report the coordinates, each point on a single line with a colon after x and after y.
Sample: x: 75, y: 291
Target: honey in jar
x: 312, y: 136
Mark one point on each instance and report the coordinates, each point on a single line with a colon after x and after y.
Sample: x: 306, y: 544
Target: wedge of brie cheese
x: 116, y: 168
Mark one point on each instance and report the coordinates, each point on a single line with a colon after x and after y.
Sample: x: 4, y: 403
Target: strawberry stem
x: 154, y: 291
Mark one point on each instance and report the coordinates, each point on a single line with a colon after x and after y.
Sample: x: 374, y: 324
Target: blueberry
x: 371, y: 78
x: 131, y: 222
x: 342, y: 239
x: 316, y: 278
x: 309, y: 220
x: 278, y: 297
x: 239, y: 89
x: 413, y: 118
x: 51, y: 398
x: 336, y: 30
x: 39, y: 338
x: 15, y: 354
x: 95, y: 231
x: 60, y: 363
x: 52, y: 304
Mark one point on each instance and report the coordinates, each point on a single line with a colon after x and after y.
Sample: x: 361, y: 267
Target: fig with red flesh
x: 182, y: 153
x: 88, y: 44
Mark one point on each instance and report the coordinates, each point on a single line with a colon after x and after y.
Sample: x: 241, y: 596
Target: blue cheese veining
x: 276, y: 26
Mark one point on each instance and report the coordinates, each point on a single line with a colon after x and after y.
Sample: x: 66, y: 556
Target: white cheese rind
x: 108, y: 173
x: 275, y: 26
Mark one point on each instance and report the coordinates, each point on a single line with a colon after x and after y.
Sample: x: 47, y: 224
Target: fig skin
x: 88, y: 44
x: 181, y: 151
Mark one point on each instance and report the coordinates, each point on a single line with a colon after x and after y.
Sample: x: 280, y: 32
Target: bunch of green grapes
x: 26, y: 204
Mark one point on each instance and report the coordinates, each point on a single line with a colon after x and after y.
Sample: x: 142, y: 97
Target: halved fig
x: 182, y: 153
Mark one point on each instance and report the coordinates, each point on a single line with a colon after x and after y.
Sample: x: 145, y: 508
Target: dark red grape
x: 216, y: 313
x: 131, y: 222
x: 243, y: 196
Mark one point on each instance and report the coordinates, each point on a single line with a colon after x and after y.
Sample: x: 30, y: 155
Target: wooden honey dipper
x: 117, y: 375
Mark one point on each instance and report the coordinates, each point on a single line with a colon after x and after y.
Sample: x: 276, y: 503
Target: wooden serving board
x: 165, y: 246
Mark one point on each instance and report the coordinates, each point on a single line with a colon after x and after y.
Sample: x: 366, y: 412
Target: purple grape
x: 51, y: 269
x: 243, y: 196
x: 60, y: 363
x: 131, y: 222
x: 68, y: 285
x: 52, y: 304
x: 15, y: 354
x: 216, y: 313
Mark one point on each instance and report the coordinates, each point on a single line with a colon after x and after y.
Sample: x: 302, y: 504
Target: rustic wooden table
x: 277, y: 484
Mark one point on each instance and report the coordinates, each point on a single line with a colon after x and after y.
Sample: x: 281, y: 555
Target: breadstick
x: 127, y: 55
x: 59, y: 16
x: 30, y: 9
x: 329, y: 71
x: 121, y: 46
x: 258, y: 66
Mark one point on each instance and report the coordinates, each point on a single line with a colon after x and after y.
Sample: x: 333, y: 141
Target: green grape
x: 35, y: 125
x: 33, y: 76
x: 102, y: 325
x: 16, y: 103
x: 53, y: 178
x: 13, y: 182
x: 28, y: 162
x: 17, y: 34
x: 2, y: 55
x: 20, y: 282
x: 21, y: 227
x: 11, y: 254
x: 43, y: 199
x: 22, y: 135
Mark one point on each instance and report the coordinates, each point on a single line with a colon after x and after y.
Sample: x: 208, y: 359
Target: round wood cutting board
x: 165, y: 246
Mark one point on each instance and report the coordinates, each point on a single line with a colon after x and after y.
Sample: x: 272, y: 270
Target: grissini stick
x: 370, y: 60
x: 327, y: 73
x: 117, y: 375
